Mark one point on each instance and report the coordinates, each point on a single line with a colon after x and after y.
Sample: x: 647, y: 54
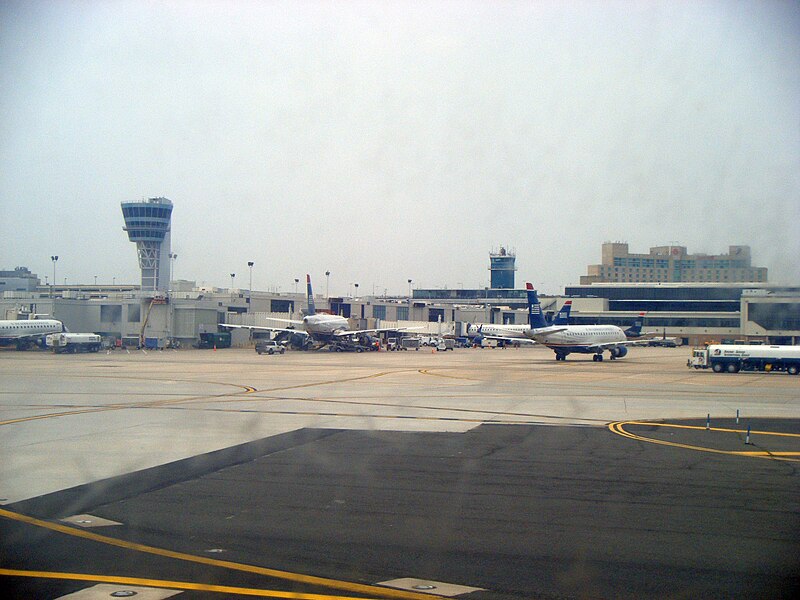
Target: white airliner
x: 320, y: 328
x: 24, y: 333
x: 566, y: 339
x: 514, y: 333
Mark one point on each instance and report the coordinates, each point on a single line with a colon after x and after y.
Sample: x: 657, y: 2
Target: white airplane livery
x: 515, y: 333
x: 566, y: 339
x: 24, y: 333
x: 321, y: 328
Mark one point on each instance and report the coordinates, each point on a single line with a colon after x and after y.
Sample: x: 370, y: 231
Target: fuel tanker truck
x: 732, y: 359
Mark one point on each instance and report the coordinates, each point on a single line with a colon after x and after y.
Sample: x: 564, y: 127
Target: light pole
x: 54, y: 259
x: 355, y: 284
x: 232, y: 276
x: 172, y: 257
x: 95, y: 280
x: 409, y: 300
x: 327, y: 282
x: 296, y: 281
x: 250, y: 264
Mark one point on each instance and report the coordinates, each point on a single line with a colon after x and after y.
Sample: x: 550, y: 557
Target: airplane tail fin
x: 311, y: 308
x: 535, y: 317
x: 562, y: 316
x: 635, y: 330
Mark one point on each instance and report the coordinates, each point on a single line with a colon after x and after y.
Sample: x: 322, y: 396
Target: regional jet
x: 566, y: 339
x: 514, y: 333
x: 24, y: 333
x: 318, y: 328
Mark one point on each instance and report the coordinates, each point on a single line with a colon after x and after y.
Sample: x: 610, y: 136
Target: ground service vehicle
x: 445, y: 344
x: 269, y: 347
x: 214, y: 340
x: 732, y: 359
x: 410, y: 343
x: 74, y: 342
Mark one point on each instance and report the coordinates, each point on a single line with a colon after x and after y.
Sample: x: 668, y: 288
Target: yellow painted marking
x: 152, y: 404
x: 289, y: 576
x: 618, y: 427
x: 180, y: 585
x: 722, y: 429
x: 428, y: 372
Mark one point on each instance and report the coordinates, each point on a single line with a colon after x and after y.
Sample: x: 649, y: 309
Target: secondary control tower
x: 148, y: 224
x: 502, y: 267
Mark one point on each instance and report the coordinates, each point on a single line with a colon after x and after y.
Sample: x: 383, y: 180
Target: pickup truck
x: 269, y: 347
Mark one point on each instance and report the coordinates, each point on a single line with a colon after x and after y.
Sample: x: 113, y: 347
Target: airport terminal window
x: 110, y: 313
x: 379, y: 312
x: 775, y: 316
x: 134, y: 313
x: 435, y: 315
x: 674, y: 305
x: 402, y: 313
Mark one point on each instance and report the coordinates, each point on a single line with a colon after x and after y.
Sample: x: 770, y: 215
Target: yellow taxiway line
x: 618, y: 427
x: 347, y: 586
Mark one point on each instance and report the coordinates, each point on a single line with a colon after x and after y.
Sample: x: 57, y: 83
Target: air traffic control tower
x: 502, y: 267
x: 148, y: 224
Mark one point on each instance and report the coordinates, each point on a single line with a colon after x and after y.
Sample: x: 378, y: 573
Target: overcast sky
x: 384, y: 141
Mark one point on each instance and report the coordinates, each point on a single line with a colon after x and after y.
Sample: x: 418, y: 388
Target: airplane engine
x: 621, y: 351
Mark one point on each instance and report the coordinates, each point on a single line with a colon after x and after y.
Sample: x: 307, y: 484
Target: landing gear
x: 561, y: 356
x: 597, y: 358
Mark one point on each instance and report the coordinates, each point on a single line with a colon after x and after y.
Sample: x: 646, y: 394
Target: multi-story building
x: 18, y: 280
x: 673, y: 264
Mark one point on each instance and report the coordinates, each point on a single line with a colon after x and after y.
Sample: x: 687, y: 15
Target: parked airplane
x: 24, y: 333
x: 634, y: 332
x: 319, y: 328
x: 566, y: 339
x: 514, y: 334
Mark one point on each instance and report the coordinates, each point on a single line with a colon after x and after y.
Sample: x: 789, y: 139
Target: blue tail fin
x: 311, y: 308
x: 562, y: 316
x: 635, y: 330
x: 535, y: 317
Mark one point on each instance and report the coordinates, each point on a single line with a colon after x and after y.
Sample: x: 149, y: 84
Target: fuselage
x: 13, y: 331
x: 324, y: 324
x: 506, y: 331
x: 577, y: 338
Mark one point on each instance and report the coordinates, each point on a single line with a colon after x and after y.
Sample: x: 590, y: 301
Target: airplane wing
x: 547, y: 330
x: 510, y: 340
x: 22, y: 337
x: 349, y: 332
x: 262, y: 328
x: 293, y: 322
x: 607, y: 345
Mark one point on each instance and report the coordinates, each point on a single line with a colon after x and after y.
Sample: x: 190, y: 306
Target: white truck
x: 74, y: 342
x: 732, y: 359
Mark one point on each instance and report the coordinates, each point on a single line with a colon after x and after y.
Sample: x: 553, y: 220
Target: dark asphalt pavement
x: 523, y: 512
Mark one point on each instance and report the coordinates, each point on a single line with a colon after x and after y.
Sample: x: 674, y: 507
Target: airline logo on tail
x: 635, y: 330
x: 562, y: 316
x: 535, y: 317
x: 312, y: 310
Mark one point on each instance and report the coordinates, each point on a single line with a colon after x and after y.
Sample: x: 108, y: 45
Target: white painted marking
x: 439, y: 588
x: 104, y: 591
x: 88, y: 521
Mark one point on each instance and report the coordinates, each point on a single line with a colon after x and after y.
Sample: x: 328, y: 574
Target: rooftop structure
x: 148, y: 225
x: 18, y: 280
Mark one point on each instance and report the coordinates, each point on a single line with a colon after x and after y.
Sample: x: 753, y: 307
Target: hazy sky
x: 392, y: 140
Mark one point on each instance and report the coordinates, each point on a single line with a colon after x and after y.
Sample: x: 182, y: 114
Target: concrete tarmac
x: 327, y: 475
